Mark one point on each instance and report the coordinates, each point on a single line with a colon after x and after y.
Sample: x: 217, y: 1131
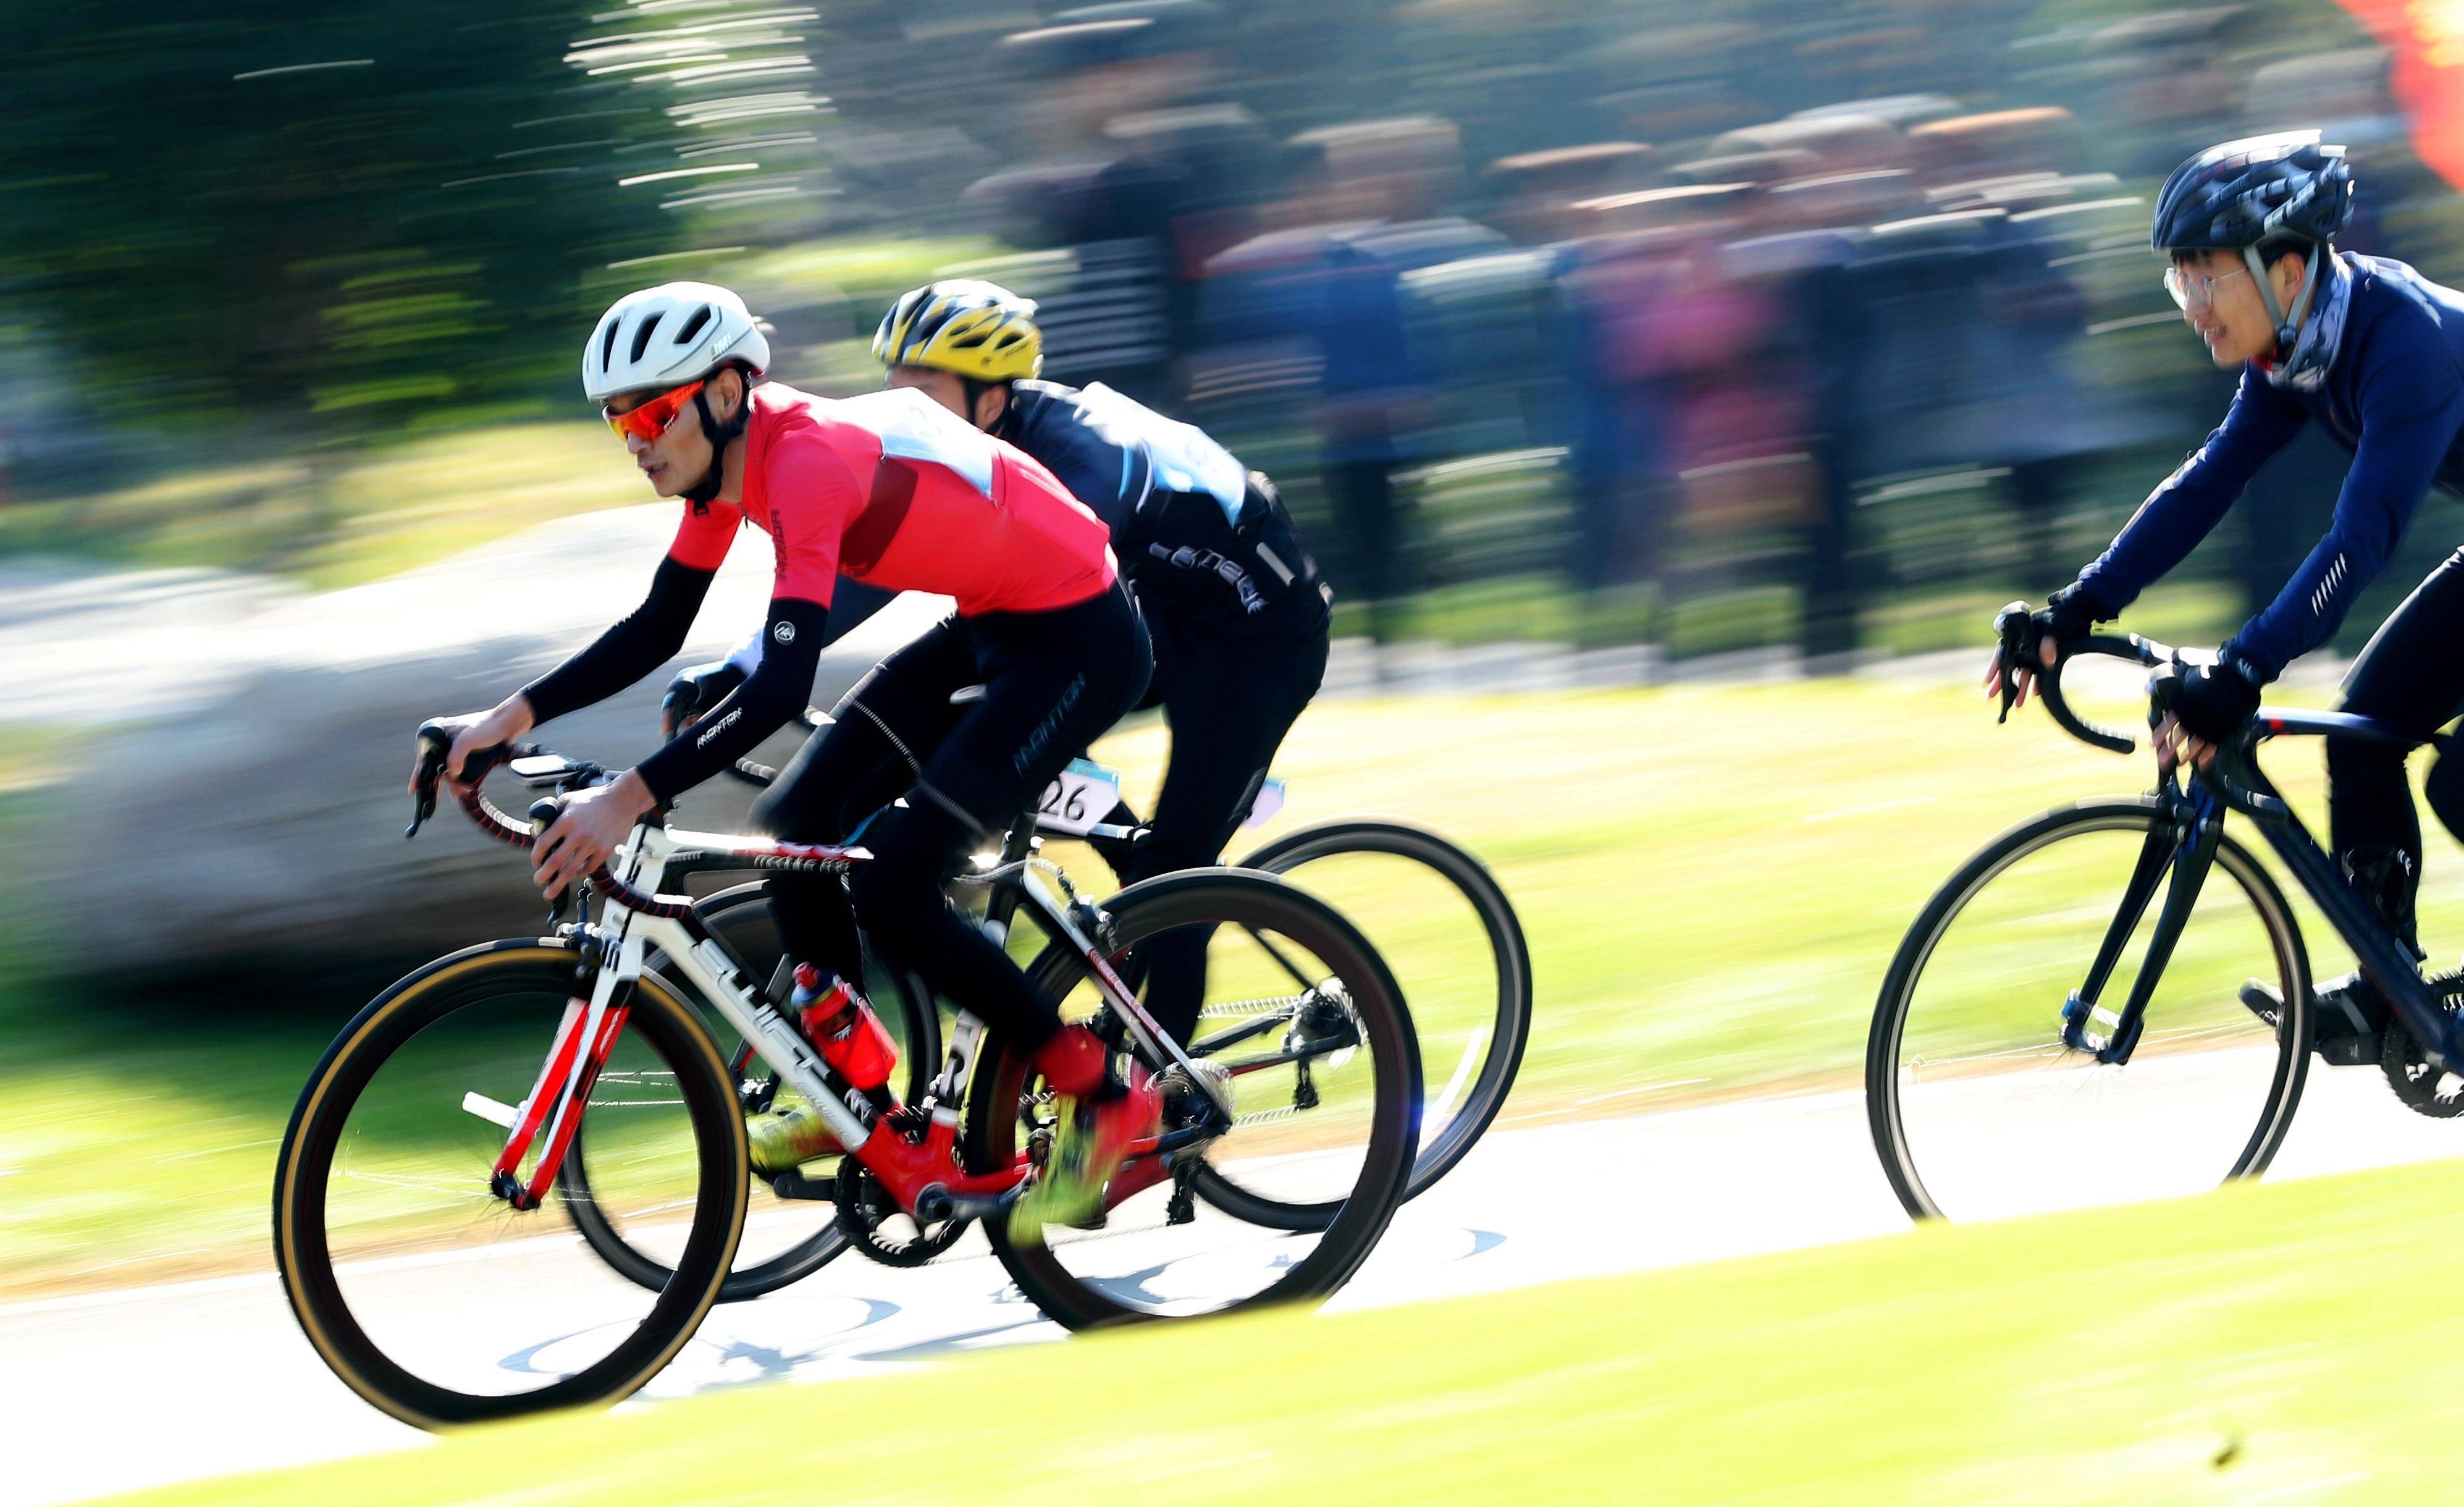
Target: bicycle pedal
x: 797, y: 1186
x: 2352, y: 1051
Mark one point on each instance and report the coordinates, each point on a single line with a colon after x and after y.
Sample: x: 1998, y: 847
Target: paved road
x: 223, y: 1381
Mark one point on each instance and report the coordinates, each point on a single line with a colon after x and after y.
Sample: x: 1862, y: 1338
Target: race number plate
x: 1084, y: 795
x: 1269, y: 801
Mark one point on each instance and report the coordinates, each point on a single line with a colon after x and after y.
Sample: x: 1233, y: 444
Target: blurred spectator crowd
x: 1821, y: 304
x: 1774, y: 320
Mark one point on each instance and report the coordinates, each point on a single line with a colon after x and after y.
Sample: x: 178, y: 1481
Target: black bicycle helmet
x: 2241, y: 194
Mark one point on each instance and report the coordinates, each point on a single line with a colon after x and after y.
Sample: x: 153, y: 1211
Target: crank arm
x: 937, y: 1202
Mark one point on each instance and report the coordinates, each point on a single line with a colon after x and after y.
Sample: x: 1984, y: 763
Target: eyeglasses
x: 2190, y: 287
x: 649, y: 419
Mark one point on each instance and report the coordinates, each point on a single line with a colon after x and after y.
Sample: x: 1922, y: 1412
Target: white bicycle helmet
x: 667, y: 336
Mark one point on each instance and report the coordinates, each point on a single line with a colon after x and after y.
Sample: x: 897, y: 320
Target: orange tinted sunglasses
x: 649, y: 419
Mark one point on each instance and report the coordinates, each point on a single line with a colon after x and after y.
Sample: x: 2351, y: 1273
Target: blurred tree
x: 334, y: 218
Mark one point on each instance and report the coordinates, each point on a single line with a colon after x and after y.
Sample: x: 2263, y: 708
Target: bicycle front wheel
x: 1325, y: 1096
x: 1446, y: 929
x: 432, y: 1297
x: 1977, y: 1108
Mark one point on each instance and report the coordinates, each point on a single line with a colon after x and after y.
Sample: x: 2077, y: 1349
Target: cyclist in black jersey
x: 1235, y: 605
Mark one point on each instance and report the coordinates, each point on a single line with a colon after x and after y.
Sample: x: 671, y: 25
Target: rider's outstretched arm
x: 2413, y: 404
x: 2188, y: 504
x: 778, y: 688
x: 648, y: 637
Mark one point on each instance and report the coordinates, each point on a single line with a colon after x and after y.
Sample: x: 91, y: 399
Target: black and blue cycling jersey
x: 2391, y: 391
x: 1201, y: 537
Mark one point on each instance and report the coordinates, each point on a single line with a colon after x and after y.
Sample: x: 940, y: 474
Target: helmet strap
x: 2288, y: 322
x: 975, y: 389
x: 701, y: 493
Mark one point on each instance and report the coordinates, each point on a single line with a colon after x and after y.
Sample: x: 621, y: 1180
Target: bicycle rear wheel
x: 430, y: 1296
x: 786, y: 1239
x: 1327, y: 1116
x: 1446, y: 929
x: 1976, y: 1107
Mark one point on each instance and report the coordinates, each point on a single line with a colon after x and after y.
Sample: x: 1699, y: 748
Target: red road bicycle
x: 414, y: 1193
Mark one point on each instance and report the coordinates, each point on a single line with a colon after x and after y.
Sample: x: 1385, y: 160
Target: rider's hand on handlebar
x: 2022, y: 677
x: 474, y: 731
x: 694, y: 690
x: 594, y: 822
x: 2209, y: 703
x: 2065, y: 618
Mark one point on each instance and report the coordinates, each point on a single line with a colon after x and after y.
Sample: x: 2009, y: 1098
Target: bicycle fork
x: 584, y: 1039
x: 2186, y: 849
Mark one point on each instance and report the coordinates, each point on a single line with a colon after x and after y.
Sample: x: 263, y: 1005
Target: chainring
x: 2424, y: 1089
x: 866, y: 1210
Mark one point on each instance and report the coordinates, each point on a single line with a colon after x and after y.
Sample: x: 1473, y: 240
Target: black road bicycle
x: 1467, y: 978
x: 2070, y: 1020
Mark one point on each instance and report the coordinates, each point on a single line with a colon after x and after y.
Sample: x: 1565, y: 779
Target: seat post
x: 1020, y: 845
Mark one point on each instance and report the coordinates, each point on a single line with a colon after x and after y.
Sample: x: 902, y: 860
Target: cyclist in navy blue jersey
x: 1233, y: 602
x: 2374, y: 353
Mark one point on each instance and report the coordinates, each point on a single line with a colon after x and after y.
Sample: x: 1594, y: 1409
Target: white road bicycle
x: 412, y: 1223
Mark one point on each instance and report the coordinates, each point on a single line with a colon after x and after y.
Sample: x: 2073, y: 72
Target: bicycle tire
x: 1883, y: 1040
x: 1513, y: 1029
x: 304, y: 1259
x: 722, y: 912
x: 1227, y: 898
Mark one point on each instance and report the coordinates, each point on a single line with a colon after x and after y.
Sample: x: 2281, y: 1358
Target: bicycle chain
x: 1254, y: 1009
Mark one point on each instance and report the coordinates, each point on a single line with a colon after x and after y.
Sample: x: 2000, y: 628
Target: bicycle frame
x: 634, y: 916
x: 2239, y: 782
x: 2233, y: 782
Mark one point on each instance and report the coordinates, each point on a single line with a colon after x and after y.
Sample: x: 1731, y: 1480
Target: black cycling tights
x: 1053, y: 682
x: 2413, y: 675
x: 1229, y: 701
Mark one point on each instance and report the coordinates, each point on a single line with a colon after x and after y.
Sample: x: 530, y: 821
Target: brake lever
x: 544, y: 813
x: 2011, y: 624
x: 433, y: 747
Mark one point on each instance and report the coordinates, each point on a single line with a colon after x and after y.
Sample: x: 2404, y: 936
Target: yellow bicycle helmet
x: 979, y: 330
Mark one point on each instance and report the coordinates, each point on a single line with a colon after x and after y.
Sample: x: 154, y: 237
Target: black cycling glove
x: 695, y: 690
x: 2212, y: 701
x: 2069, y: 615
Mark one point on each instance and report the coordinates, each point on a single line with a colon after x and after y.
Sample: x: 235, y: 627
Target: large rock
x: 246, y: 814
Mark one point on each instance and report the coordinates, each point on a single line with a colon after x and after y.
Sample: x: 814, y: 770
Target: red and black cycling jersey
x: 894, y: 490
x: 890, y: 488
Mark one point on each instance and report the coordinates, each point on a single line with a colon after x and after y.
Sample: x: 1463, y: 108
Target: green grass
x: 1713, y: 879
x: 2256, y: 1344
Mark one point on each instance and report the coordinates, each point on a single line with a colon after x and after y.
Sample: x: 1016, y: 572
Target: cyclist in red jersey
x: 892, y: 490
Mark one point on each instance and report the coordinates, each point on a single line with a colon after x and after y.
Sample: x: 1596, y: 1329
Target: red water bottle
x: 843, y: 1028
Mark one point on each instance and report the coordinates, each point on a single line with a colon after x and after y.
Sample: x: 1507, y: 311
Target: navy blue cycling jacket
x: 1201, y: 539
x: 2393, y: 395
